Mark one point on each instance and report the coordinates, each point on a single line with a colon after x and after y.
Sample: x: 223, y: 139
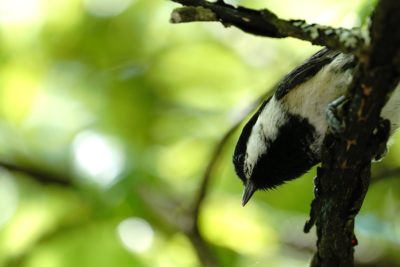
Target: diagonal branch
x: 212, y: 164
x: 265, y: 23
x: 202, y: 248
x: 187, y: 220
x: 42, y: 176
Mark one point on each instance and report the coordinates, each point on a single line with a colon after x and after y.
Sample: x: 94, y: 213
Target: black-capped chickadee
x: 283, y: 139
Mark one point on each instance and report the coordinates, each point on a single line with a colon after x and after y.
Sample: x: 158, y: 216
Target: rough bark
x: 266, y: 23
x: 346, y: 160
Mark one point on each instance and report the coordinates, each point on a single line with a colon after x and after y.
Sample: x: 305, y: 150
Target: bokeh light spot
x: 136, y: 234
x: 19, y: 11
x: 97, y: 158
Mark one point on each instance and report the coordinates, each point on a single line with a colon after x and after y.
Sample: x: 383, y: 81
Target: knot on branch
x: 188, y: 14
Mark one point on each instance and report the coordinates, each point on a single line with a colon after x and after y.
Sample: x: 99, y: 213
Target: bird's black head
x: 266, y: 158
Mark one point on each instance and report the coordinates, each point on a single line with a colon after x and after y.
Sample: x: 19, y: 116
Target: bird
x: 283, y: 139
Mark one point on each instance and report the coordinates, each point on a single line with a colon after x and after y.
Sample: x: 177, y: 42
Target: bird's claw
x: 333, y: 115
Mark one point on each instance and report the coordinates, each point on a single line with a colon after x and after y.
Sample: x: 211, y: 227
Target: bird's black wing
x: 305, y: 71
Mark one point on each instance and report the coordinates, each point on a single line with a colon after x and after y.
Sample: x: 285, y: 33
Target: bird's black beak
x: 249, y: 190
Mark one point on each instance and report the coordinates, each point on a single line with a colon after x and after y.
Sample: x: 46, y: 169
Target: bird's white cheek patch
x: 264, y: 131
x: 256, y: 146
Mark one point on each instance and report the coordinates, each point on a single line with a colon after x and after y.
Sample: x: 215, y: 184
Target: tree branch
x: 346, y: 160
x: 265, y: 23
x: 42, y: 176
x: 188, y: 220
x: 385, y: 174
x: 212, y: 164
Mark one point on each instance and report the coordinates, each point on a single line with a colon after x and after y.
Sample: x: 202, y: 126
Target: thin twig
x: 202, y: 247
x: 385, y: 174
x: 212, y: 164
x: 42, y: 176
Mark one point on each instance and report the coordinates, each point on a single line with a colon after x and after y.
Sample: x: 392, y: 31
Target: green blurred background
x: 109, y: 116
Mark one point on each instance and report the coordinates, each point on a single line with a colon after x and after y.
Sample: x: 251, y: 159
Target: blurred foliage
x: 123, y: 110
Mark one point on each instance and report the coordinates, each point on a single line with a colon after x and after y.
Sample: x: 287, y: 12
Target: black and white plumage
x: 283, y: 139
